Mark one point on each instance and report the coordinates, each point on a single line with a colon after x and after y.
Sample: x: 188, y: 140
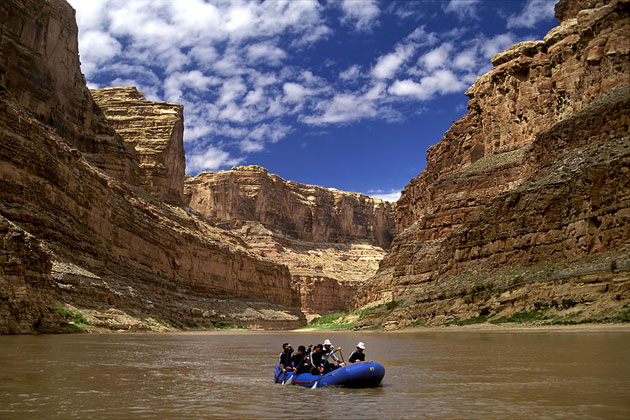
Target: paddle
x: 292, y: 378
x: 324, y: 365
x: 286, y: 360
x: 341, y: 354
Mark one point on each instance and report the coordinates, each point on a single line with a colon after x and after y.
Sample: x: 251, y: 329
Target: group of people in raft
x: 317, y: 360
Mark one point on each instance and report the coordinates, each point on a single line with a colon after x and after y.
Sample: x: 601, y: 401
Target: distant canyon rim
x: 523, y: 211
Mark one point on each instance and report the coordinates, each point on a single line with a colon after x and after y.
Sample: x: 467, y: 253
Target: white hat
x: 361, y: 345
x: 327, y: 342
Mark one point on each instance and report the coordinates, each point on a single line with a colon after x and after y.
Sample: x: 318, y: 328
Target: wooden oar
x: 341, y: 354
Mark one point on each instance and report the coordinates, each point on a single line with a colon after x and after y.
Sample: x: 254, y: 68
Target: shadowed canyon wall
x: 39, y: 65
x: 524, y: 203
x: 77, y: 226
x: 331, y: 240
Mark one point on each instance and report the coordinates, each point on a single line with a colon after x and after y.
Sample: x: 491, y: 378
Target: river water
x: 230, y: 374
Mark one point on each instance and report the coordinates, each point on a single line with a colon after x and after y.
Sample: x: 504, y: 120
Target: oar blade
x: 290, y: 380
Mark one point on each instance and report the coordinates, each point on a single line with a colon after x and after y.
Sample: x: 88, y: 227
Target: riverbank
x: 476, y: 328
x: 585, y: 328
x: 503, y: 328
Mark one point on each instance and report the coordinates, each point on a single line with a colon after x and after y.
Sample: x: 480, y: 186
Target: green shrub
x: 326, y: 319
x: 482, y: 287
x: 70, y: 316
x: 348, y: 326
x: 391, y: 305
x: 520, y: 317
x: 223, y: 324
x: 469, y: 321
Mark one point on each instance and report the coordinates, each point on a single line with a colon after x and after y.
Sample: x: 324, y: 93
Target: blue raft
x: 354, y: 375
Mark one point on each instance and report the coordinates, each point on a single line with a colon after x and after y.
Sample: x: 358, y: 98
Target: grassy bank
x: 349, y: 320
x: 542, y: 319
x: 370, y: 318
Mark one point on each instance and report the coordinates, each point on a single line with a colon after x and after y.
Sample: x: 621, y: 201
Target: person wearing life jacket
x: 358, y: 355
x: 331, y: 362
x: 285, y: 358
x: 301, y: 362
x: 317, y: 359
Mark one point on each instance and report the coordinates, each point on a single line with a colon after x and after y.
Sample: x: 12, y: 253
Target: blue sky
x: 347, y: 94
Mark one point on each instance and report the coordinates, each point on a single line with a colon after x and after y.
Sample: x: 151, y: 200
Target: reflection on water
x: 202, y: 375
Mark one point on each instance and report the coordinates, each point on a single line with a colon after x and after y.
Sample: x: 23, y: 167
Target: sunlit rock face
x: 331, y: 240
x: 78, y: 223
x: 535, y: 173
x: 156, y: 131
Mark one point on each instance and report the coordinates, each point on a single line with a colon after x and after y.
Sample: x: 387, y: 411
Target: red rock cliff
x: 39, y: 69
x: 78, y: 231
x: 331, y: 240
x: 517, y: 183
x: 300, y: 211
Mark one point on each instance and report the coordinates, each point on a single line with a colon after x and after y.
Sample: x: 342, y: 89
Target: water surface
x: 220, y: 375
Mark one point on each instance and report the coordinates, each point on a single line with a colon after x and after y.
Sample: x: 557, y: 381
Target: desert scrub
x: 569, y: 319
x: 468, y: 321
x: 391, y: 305
x: 75, y: 318
x: 330, y: 322
x: 340, y: 326
x: 326, y: 319
x: 520, y: 317
x: 222, y: 324
x: 482, y: 287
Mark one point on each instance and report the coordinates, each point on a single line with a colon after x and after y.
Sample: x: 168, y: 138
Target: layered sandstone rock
x: 156, y: 131
x: 568, y: 9
x: 500, y: 191
x: 304, y: 212
x: 533, y: 86
x: 77, y: 230
x: 331, y: 240
x: 25, y: 281
x: 39, y: 69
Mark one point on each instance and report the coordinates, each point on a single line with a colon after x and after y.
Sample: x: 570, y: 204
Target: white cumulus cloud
x: 533, y: 12
x: 392, y: 195
x: 361, y: 13
x: 209, y: 159
x: 464, y: 9
x: 387, y: 65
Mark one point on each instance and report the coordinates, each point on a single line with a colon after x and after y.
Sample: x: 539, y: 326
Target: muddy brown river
x: 230, y: 375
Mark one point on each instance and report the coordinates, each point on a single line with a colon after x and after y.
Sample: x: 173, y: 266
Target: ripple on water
x: 225, y: 375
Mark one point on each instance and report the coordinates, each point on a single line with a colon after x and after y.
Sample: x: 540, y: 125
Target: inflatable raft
x: 354, y: 375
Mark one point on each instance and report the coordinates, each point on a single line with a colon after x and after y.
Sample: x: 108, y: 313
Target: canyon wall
x: 331, y: 240
x: 39, y: 66
x: 156, y: 131
x: 305, y: 212
x: 524, y: 201
x: 78, y: 228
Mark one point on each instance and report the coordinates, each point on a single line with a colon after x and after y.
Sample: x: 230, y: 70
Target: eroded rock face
x: 156, y: 131
x: 320, y: 295
x: 568, y: 9
x: 519, y: 181
x: 304, y: 212
x: 76, y: 228
x: 533, y: 86
x: 25, y: 281
x: 39, y: 70
x: 331, y: 240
